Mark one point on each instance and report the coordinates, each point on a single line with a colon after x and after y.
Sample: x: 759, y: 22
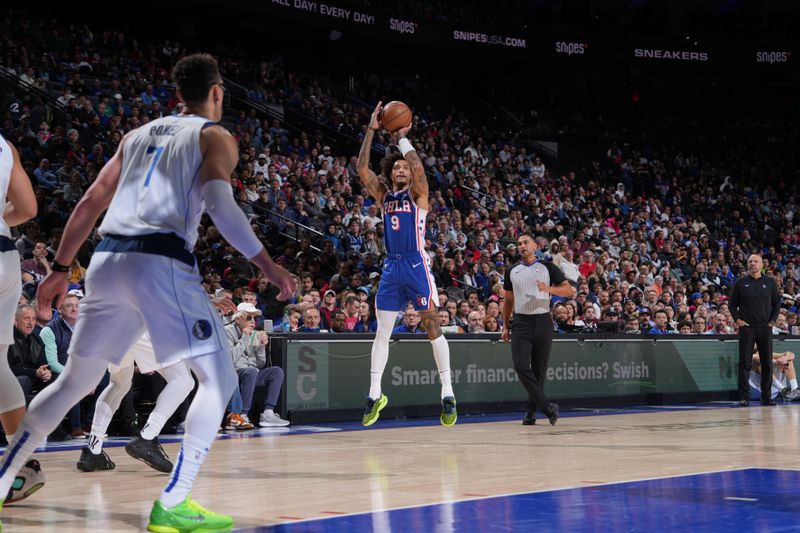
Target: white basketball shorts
x: 129, y: 292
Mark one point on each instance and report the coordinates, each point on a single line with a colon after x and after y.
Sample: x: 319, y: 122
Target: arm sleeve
x: 507, y: 285
x: 50, y: 349
x: 556, y: 275
x: 229, y: 218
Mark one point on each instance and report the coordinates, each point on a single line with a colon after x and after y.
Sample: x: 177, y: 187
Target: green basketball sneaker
x: 186, y: 517
x: 449, y: 414
x: 373, y: 410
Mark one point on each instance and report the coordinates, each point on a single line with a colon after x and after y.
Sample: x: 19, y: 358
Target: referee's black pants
x: 531, y: 339
x: 761, y: 337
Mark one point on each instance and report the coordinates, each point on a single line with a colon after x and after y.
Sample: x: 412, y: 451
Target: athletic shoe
x: 90, y: 462
x: 150, y: 453
x: 373, y: 410
x: 552, y: 413
x: 792, y: 396
x: 186, y: 517
x: 77, y: 433
x: 270, y: 419
x: 235, y: 421
x: 246, y: 424
x: 449, y: 414
x: 530, y: 418
x: 29, y: 479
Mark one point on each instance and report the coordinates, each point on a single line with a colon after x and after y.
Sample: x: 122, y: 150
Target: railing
x: 298, y: 227
x: 242, y: 94
x: 46, y: 97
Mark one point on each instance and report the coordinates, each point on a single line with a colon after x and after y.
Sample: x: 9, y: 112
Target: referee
x: 528, y: 286
x: 754, y: 305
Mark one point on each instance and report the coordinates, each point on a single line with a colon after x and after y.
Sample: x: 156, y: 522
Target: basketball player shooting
x: 407, y: 269
x: 154, y: 188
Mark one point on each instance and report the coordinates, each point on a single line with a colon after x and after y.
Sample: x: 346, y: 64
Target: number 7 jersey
x: 403, y: 224
x: 159, y: 185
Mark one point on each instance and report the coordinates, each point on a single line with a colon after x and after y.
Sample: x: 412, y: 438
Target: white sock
x: 190, y: 459
x: 17, y: 454
x: 10, y: 437
x: 380, y: 351
x: 95, y: 443
x: 155, y: 423
x: 103, y: 413
x: 268, y: 412
x: 441, y: 353
x: 793, y: 384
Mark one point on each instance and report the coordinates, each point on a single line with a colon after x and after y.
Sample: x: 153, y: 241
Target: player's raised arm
x: 419, y: 181
x: 220, y: 156
x: 374, y: 186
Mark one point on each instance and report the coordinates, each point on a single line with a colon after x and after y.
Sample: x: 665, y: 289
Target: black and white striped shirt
x: 521, y: 280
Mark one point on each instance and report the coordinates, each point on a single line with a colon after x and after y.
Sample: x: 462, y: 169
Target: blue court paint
x: 738, y: 500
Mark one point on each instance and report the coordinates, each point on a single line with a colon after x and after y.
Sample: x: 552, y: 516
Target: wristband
x: 58, y: 267
x: 405, y: 146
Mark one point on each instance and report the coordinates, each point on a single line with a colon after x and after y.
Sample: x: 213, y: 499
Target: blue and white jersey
x: 403, y: 224
x: 159, y: 185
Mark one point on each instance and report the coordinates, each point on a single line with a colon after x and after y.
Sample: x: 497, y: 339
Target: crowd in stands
x: 651, y: 239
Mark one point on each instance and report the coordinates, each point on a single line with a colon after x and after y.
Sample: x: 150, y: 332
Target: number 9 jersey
x: 403, y: 224
x: 153, y: 196
x: 407, y: 273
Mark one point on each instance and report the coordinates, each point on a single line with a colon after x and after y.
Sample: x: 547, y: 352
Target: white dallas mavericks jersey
x: 159, y: 187
x: 6, y: 164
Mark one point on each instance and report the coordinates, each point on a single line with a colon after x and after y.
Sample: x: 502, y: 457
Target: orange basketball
x: 395, y: 115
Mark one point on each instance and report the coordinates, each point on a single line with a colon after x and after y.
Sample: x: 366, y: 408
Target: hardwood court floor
x: 282, y: 478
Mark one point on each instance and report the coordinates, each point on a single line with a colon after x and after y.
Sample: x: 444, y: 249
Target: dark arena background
x: 647, y: 148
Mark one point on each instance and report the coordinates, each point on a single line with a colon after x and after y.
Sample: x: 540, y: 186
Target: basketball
x: 395, y: 115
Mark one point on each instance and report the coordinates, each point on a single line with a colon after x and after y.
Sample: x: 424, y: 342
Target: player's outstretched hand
x: 281, y: 278
x: 374, y: 122
x: 402, y: 132
x: 49, y: 295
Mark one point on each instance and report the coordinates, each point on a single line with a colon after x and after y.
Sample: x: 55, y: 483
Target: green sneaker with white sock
x: 449, y: 413
x: 373, y: 410
x: 186, y: 517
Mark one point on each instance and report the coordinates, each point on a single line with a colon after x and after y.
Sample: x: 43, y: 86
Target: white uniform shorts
x: 129, y: 292
x: 11, y: 396
x: 10, y: 289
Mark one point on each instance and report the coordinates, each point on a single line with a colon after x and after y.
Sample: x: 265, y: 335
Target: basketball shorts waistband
x: 400, y: 257
x: 164, y: 244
